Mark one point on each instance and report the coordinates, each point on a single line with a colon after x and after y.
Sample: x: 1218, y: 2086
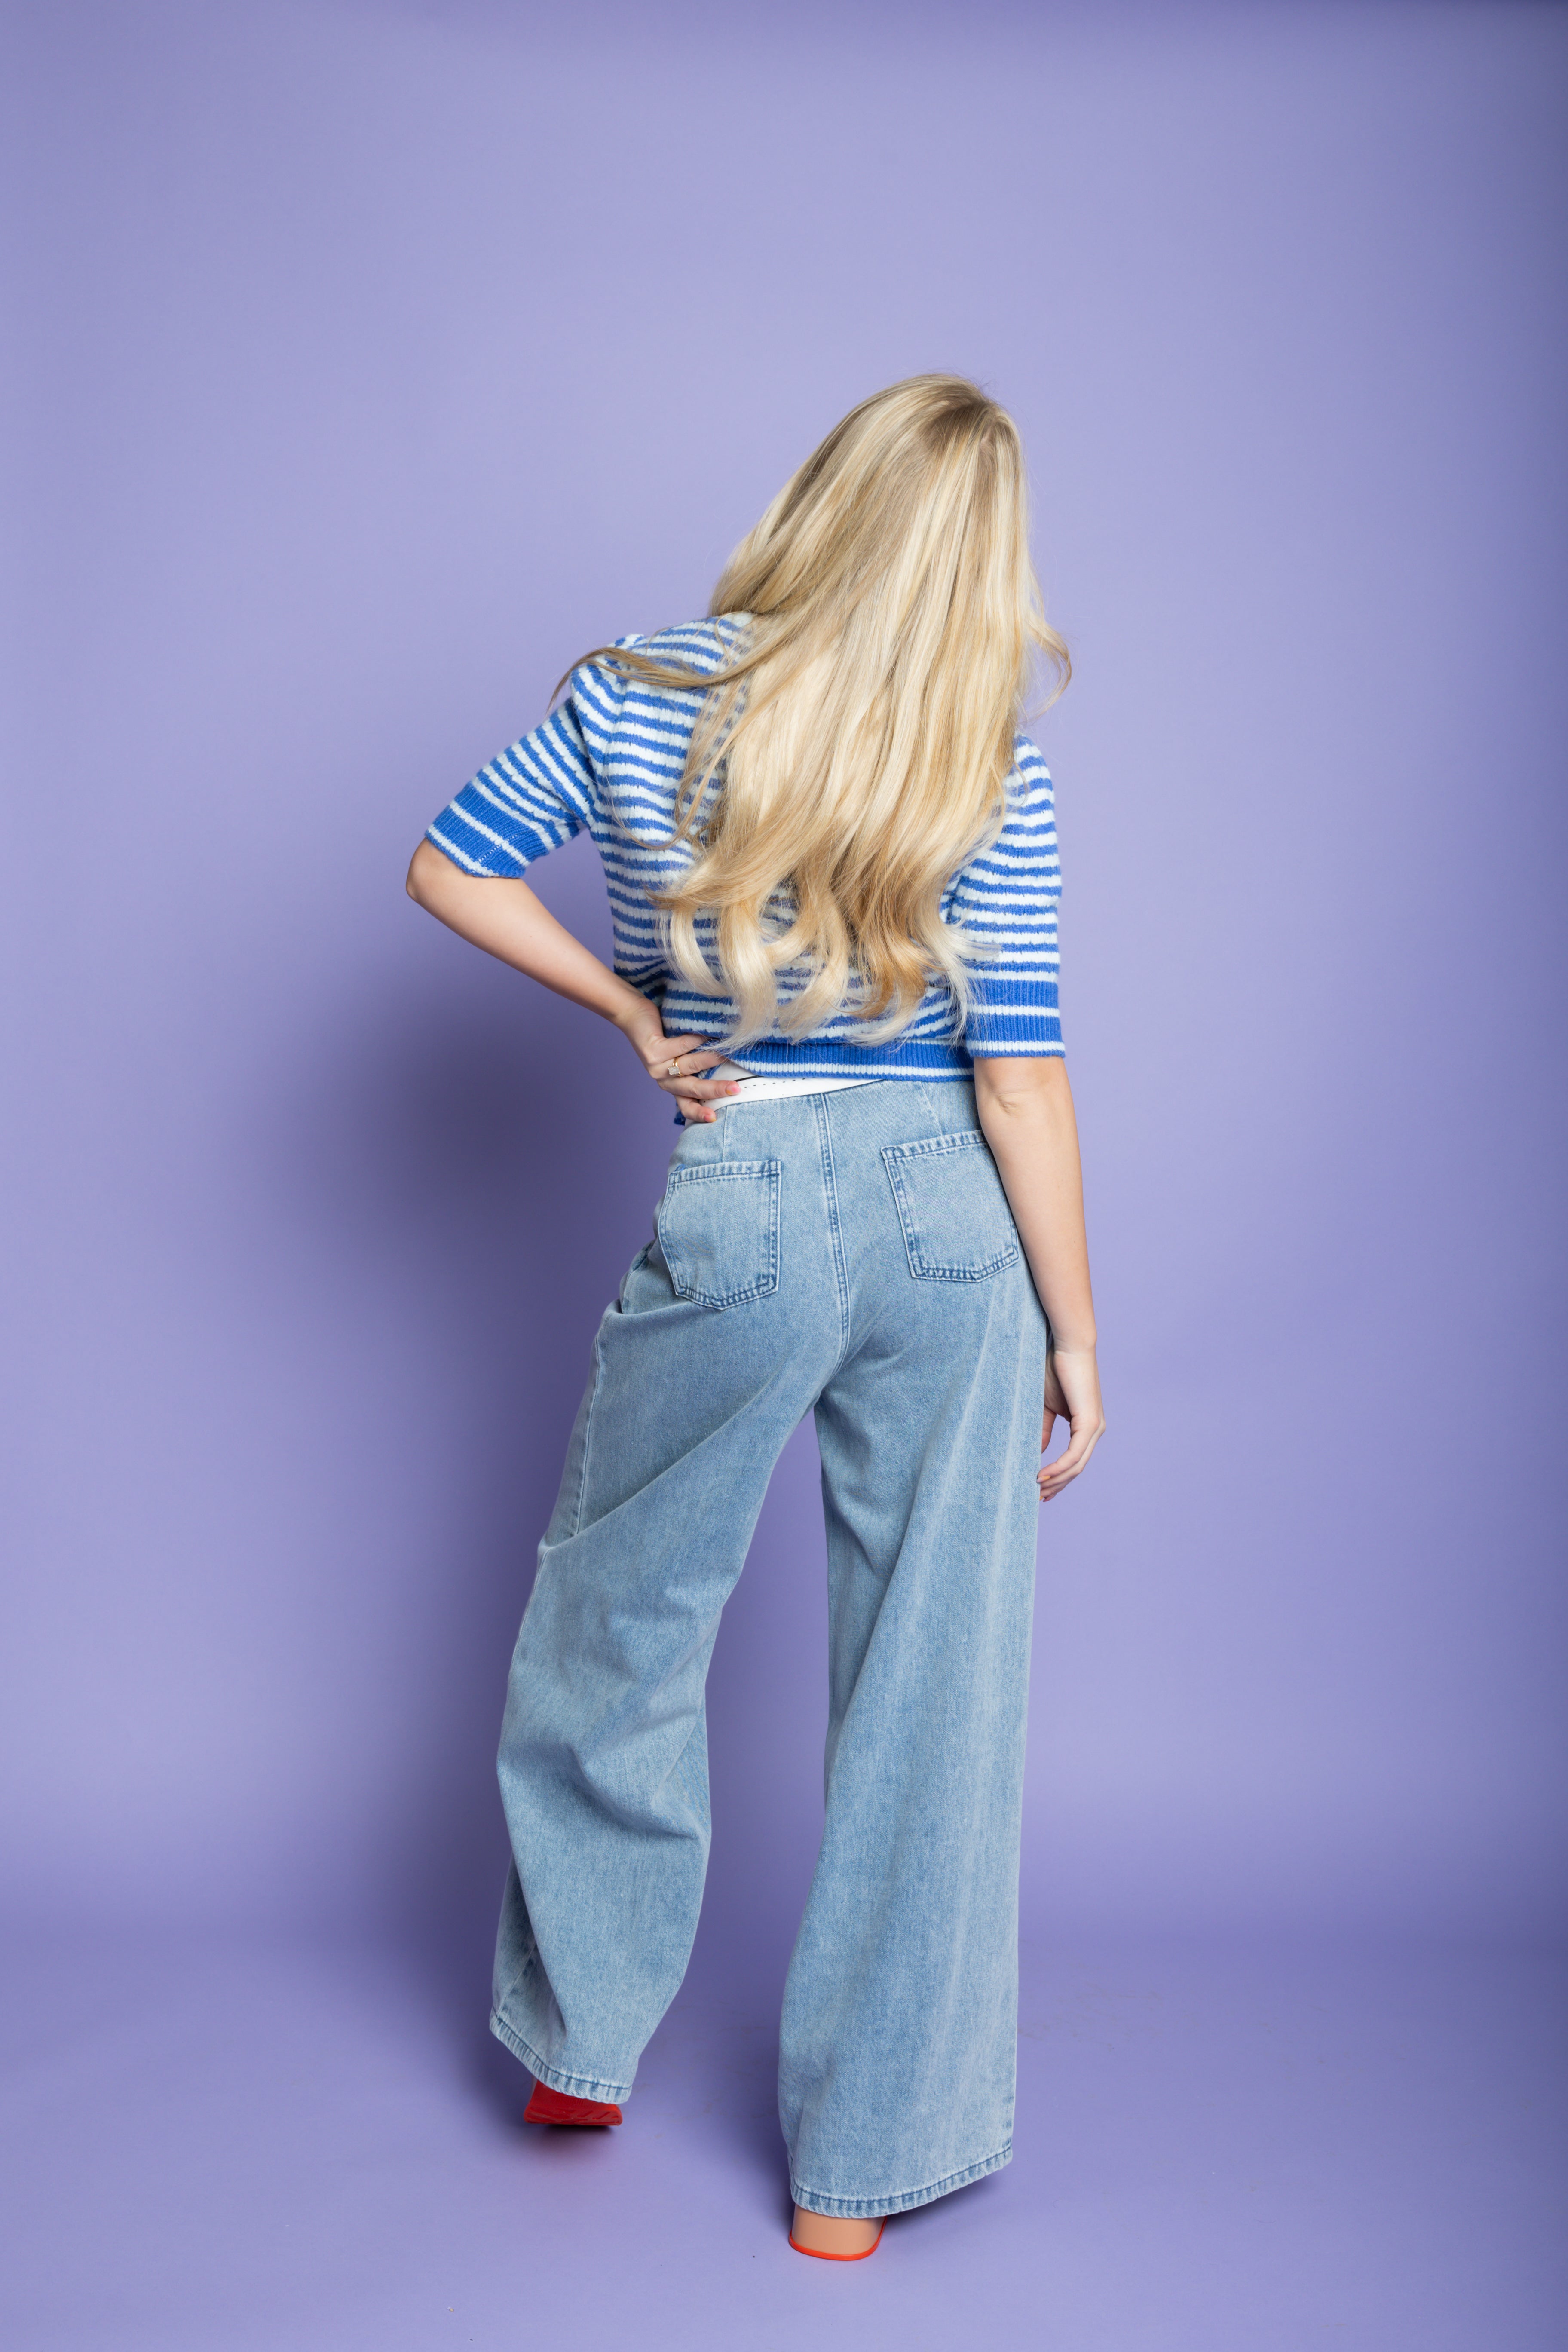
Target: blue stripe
x: 609, y: 760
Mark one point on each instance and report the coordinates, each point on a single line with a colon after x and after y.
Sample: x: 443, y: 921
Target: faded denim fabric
x: 850, y: 1254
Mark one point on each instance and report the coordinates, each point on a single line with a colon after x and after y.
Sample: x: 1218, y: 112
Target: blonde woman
x: 832, y: 867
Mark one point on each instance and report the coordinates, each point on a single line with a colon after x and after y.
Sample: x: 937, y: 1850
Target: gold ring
x: 673, y: 1071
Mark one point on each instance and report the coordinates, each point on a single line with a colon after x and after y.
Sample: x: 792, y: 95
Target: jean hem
x: 896, y: 2200
x: 573, y: 2086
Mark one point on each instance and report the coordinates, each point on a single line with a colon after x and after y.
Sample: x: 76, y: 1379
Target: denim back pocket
x: 957, y: 1224
x: 719, y: 1230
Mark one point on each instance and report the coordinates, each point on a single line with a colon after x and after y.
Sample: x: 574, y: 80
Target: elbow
x: 1018, y: 1087
x: 420, y: 875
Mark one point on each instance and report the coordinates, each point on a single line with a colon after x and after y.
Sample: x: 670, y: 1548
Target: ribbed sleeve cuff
x: 483, y: 839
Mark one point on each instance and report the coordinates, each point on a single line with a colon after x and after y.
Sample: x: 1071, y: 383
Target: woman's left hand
x: 1073, y: 1393
x: 675, y: 1064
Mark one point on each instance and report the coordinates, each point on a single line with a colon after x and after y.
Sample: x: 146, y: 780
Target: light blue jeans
x: 850, y: 1254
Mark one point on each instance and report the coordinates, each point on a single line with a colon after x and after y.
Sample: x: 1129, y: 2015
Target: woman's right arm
x: 500, y: 913
x: 1026, y: 1111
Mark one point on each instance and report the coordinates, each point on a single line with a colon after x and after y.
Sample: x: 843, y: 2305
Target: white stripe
x: 610, y: 759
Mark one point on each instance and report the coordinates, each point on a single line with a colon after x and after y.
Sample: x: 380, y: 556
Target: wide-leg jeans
x: 850, y: 1254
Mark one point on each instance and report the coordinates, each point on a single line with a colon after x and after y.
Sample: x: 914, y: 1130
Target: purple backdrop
x: 373, y: 361
x: 367, y: 362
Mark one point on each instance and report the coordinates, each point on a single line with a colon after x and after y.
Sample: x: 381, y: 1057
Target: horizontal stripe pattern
x: 608, y: 762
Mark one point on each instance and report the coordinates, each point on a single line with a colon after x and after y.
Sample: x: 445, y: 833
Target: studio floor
x: 1231, y: 2147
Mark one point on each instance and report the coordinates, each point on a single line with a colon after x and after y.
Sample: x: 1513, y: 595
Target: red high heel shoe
x: 548, y: 2106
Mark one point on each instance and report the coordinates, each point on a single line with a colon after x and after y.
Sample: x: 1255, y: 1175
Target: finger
x: 679, y: 1072
x: 661, y: 1054
x: 695, y: 1112
x: 1066, y: 1466
x: 674, y: 1049
x: 1068, y: 1463
x: 703, y: 1090
x: 1083, y: 1436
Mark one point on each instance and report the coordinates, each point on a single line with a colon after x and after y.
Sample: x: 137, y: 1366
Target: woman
x: 831, y: 861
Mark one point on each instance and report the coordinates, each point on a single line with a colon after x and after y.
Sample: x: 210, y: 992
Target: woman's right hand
x: 673, y: 1064
x: 500, y: 913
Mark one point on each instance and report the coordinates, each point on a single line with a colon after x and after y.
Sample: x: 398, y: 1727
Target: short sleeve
x: 1007, y: 900
x: 536, y: 794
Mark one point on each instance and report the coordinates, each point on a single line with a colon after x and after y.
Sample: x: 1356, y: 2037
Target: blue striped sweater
x: 609, y: 757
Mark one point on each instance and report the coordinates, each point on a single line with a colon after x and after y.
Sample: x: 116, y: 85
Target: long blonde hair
x: 852, y: 750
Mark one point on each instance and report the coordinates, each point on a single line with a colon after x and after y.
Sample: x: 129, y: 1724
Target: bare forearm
x: 506, y: 918
x: 502, y: 915
x: 1027, y: 1111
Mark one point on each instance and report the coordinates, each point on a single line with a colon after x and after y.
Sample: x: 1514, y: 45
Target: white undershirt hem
x: 765, y: 1089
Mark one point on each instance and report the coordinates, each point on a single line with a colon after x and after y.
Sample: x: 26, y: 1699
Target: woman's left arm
x: 1026, y: 1111
x: 504, y: 917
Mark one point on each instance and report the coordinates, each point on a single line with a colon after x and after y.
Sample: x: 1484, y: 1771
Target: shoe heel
x: 548, y: 2106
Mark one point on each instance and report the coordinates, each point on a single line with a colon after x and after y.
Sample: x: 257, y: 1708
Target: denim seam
x: 939, y: 1147
x: 573, y: 2086
x: 896, y: 2200
x: 699, y: 1726
x: 587, y: 1439
x: 835, y: 1231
